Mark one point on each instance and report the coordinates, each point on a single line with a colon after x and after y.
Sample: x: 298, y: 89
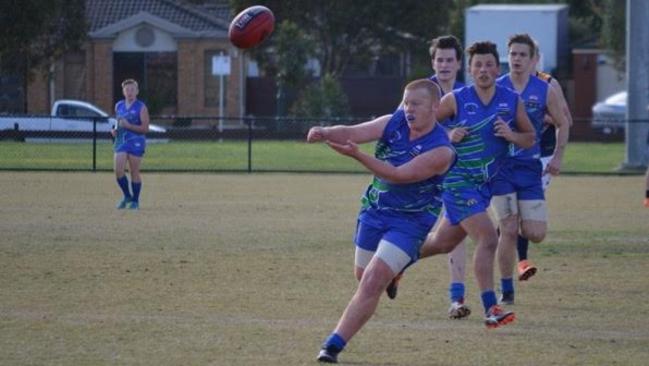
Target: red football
x: 252, y: 26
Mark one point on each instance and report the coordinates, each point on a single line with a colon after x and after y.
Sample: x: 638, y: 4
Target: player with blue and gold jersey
x: 399, y: 207
x: 518, y: 198
x: 487, y: 118
x: 130, y: 143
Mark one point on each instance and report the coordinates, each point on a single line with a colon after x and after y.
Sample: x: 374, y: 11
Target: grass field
x: 255, y: 269
x: 265, y: 156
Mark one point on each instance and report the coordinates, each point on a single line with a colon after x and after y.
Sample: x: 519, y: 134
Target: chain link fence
x: 251, y: 144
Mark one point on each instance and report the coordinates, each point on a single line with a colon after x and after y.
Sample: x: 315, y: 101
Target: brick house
x: 168, y: 46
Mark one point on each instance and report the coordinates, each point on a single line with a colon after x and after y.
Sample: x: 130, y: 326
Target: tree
x: 37, y: 32
x: 353, y: 30
x: 293, y: 50
x: 324, y: 99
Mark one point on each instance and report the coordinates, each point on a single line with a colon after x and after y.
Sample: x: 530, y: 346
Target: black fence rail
x: 208, y: 143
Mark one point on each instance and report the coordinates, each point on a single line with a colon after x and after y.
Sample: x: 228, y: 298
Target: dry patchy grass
x: 234, y: 269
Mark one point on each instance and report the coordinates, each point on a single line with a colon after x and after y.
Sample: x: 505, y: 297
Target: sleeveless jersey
x: 535, y: 99
x: 480, y: 153
x: 456, y: 85
x: 132, y: 115
x: 544, y: 76
x: 396, y: 148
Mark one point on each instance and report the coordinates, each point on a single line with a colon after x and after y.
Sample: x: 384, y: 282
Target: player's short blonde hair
x: 129, y: 82
x: 426, y: 84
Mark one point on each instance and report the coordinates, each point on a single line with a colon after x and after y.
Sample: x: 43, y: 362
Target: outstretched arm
x: 360, y: 133
x: 434, y: 162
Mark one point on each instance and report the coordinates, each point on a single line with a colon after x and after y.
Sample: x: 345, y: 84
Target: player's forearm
x: 562, y: 134
x: 138, y: 128
x: 524, y: 140
x: 339, y: 134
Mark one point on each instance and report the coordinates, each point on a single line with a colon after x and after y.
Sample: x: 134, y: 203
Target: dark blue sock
x: 521, y: 245
x: 123, y: 184
x: 334, y: 342
x: 137, y: 186
x: 488, y: 300
x: 456, y: 292
x: 507, y: 285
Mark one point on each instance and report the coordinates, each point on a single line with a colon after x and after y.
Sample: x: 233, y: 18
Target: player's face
x: 130, y: 91
x: 445, y: 64
x: 418, y: 106
x: 520, y: 58
x: 484, y: 69
x: 535, y: 61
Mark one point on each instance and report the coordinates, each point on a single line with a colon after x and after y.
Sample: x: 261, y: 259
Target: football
x: 251, y: 27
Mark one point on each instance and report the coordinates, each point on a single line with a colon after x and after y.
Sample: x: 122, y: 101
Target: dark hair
x: 483, y: 48
x: 430, y: 86
x: 445, y: 42
x: 523, y: 38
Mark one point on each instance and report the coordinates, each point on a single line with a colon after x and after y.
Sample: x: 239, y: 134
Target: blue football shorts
x: 523, y: 177
x: 407, y: 231
x: 461, y: 203
x: 133, y: 146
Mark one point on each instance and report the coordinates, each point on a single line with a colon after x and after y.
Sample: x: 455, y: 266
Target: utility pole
x: 637, y: 73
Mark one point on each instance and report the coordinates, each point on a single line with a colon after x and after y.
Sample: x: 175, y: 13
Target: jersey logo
x: 394, y: 137
x: 503, y: 111
x: 470, y: 108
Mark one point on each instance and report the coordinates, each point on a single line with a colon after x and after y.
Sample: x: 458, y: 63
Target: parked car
x: 68, y: 119
x: 610, y: 115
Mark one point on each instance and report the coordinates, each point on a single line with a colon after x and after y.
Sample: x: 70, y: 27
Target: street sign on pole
x: 221, y: 68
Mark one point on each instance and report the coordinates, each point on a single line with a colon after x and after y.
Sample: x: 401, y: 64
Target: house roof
x: 107, y: 17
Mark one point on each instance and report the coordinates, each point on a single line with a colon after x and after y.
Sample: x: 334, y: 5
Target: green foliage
x: 613, y: 36
x: 348, y: 31
x: 293, y: 51
x: 36, y: 32
x: 323, y: 99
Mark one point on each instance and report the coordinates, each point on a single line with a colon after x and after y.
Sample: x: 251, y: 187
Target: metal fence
x: 213, y: 144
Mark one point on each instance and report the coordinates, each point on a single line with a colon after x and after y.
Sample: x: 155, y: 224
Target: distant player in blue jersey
x: 490, y: 117
x: 446, y: 57
x: 548, y: 144
x: 401, y: 204
x: 518, y: 199
x: 446, y: 61
x: 130, y: 143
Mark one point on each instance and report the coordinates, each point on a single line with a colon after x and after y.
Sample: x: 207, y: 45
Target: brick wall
x: 38, y: 96
x: 192, y: 74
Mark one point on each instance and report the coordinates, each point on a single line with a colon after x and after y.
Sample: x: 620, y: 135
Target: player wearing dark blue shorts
x: 130, y: 143
x: 551, y: 157
x: 518, y: 198
x: 399, y: 207
x: 488, y: 117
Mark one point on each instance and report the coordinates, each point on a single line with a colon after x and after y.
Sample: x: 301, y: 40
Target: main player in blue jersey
x: 130, y: 143
x: 490, y: 118
x: 401, y: 204
x: 518, y: 199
